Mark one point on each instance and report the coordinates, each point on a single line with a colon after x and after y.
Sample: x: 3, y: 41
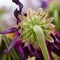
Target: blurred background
x: 7, y: 8
x: 7, y: 18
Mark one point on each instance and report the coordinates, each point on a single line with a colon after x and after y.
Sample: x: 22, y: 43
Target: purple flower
x: 43, y: 4
x: 57, y: 43
x: 57, y: 34
x: 54, y: 47
x: 29, y: 50
x: 49, y: 50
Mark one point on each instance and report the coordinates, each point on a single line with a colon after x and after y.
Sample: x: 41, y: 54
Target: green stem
x: 56, y: 19
x: 41, y: 40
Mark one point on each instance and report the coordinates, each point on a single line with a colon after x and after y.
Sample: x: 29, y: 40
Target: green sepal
x: 31, y: 39
x: 26, y: 34
x: 49, y: 38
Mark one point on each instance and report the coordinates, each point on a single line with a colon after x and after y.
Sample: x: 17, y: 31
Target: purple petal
x: 56, y: 50
x: 17, y: 12
x: 56, y: 40
x: 31, y: 49
x: 38, y: 54
x: 49, y: 50
x: 11, y: 30
x: 53, y: 48
x: 58, y: 34
x: 35, y: 52
x: 44, y: 4
x: 21, y: 50
x: 56, y: 45
x: 14, y: 41
x: 28, y: 51
x: 19, y: 46
x: 16, y: 1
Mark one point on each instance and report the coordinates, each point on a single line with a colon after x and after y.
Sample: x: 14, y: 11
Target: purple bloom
x: 49, y: 50
x: 54, y: 47
x: 29, y: 50
x: 57, y: 34
x: 43, y: 4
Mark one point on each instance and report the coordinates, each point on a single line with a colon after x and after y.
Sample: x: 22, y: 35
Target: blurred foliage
x: 2, y: 10
x: 54, y: 11
x: 4, y: 44
x: 13, y: 55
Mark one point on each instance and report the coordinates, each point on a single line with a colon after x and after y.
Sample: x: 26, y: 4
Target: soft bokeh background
x: 7, y: 18
x: 7, y: 8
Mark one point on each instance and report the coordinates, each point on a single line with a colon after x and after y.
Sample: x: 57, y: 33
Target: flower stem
x: 41, y: 41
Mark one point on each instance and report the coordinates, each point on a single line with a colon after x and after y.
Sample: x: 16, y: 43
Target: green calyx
x: 35, y: 29
x: 32, y: 19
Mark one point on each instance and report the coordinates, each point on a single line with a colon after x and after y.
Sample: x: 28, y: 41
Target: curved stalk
x: 56, y: 19
x: 41, y: 40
